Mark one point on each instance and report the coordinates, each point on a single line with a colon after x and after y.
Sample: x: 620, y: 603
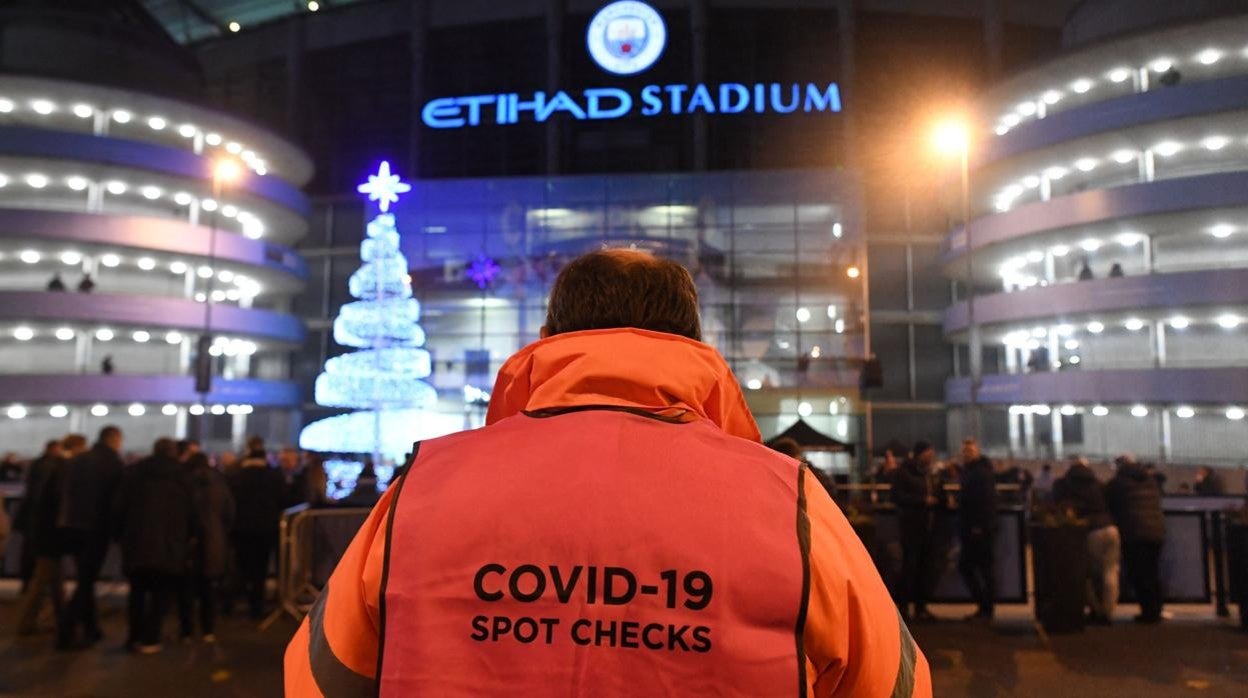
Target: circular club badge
x: 626, y: 37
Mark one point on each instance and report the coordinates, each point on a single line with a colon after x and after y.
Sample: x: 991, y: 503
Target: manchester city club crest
x: 626, y: 37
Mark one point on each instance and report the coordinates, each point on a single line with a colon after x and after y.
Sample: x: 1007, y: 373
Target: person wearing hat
x: 914, y: 492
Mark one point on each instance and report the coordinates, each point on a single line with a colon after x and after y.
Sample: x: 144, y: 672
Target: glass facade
x: 777, y: 257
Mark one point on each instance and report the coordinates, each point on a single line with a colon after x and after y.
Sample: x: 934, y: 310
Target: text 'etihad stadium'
x: 617, y: 103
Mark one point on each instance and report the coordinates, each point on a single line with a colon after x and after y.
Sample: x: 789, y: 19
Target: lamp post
x: 952, y: 138
x: 224, y: 172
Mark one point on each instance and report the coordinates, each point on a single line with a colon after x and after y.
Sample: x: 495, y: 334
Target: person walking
x: 214, y: 519
x: 1080, y: 493
x: 88, y: 486
x: 1134, y: 500
x: 37, y: 517
x: 914, y: 493
x: 259, y: 497
x: 154, y: 524
x: 638, y: 538
x: 977, y: 525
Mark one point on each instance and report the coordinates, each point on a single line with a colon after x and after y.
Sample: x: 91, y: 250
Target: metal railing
x: 310, y: 543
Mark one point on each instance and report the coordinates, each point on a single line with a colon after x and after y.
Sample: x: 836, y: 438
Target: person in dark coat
x: 365, y: 493
x: 154, y: 524
x: 259, y: 496
x: 914, y: 494
x: 88, y: 487
x: 214, y: 519
x: 36, y: 519
x: 977, y: 523
x: 294, y: 476
x: 86, y: 285
x: 56, y: 284
x: 1208, y: 482
x: 1081, y: 494
x: 1134, y: 501
x: 10, y: 468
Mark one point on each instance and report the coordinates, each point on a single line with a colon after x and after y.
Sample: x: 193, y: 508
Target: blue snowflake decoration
x: 483, y: 270
x: 384, y: 187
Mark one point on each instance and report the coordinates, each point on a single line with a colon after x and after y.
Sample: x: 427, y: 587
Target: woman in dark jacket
x: 214, y: 519
x: 1080, y: 493
x: 1134, y: 501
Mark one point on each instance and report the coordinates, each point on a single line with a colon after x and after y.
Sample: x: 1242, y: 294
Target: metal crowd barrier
x: 310, y: 543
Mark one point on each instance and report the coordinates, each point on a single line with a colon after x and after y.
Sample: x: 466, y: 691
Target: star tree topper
x: 384, y: 187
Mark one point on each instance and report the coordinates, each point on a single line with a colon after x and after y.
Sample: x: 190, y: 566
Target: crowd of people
x: 193, y: 531
x: 1123, y: 516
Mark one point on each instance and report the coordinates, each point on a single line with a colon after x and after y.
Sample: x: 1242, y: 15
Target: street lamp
x: 952, y: 138
x: 225, y: 172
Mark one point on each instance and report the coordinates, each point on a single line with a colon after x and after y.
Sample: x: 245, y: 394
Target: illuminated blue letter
x: 595, y: 110
x: 650, y: 95
x: 828, y: 100
x: 564, y: 102
x: 676, y: 91
x: 725, y: 98
x: 442, y: 113
x: 537, y: 106
x: 701, y: 98
x: 779, y: 106
x: 474, y: 106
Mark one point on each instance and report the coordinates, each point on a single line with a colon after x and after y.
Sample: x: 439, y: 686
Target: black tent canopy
x: 811, y: 439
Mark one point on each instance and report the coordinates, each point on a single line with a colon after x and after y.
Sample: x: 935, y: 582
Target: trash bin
x: 1059, y: 570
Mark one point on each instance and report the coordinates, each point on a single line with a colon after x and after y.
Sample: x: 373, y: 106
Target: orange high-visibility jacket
x: 616, y: 528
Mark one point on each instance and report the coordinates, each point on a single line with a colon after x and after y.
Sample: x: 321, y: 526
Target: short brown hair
x: 74, y: 442
x: 624, y: 288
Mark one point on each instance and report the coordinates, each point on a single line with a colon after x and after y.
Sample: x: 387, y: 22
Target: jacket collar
x: 629, y: 368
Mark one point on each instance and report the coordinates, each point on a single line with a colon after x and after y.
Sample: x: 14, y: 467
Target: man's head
x: 52, y: 449
x: 227, y: 460
x: 1125, y: 460
x: 788, y: 447
x: 970, y: 449
x: 288, y: 459
x: 73, y: 444
x: 255, y: 444
x: 623, y: 288
x: 165, y: 448
x: 111, y: 436
x: 924, y: 453
x: 1203, y: 472
x: 187, y: 448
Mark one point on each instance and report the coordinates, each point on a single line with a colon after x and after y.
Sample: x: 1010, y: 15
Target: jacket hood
x: 631, y: 368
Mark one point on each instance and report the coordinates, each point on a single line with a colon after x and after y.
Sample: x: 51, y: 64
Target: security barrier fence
x: 1196, y: 563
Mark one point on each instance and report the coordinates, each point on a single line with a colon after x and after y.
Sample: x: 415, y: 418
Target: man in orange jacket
x: 616, y: 528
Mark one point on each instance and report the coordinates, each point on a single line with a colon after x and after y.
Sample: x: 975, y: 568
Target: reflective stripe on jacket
x: 617, y: 528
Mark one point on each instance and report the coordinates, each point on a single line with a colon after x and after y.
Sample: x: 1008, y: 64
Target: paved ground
x: 1194, y: 654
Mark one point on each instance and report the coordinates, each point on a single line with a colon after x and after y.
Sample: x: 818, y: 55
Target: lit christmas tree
x: 383, y: 381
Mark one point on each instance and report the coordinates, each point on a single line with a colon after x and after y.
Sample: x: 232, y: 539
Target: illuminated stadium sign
x: 625, y: 38
x: 617, y: 103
